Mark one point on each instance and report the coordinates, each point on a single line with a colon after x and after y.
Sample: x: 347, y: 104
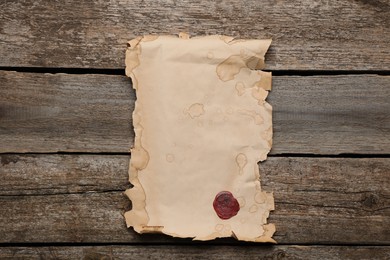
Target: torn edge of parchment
x: 138, y: 217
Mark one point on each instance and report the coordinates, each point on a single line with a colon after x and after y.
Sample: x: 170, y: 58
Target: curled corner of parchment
x: 200, y: 117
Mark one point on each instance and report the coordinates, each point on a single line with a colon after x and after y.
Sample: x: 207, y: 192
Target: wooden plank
x: 98, y: 218
x: 92, y: 113
x: 59, y: 112
x: 197, y: 252
x: 317, y: 200
x: 331, y: 114
x: 307, y: 34
x: 46, y: 174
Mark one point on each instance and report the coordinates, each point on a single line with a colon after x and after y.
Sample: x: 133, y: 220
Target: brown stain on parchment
x: 267, y: 135
x: 137, y: 216
x: 195, y: 110
x: 170, y: 158
x: 253, y: 208
x: 260, y: 197
x: 139, y: 155
x: 219, y: 227
x: 257, y: 118
x: 230, y: 67
x: 265, y: 81
x: 254, y: 62
x: 240, y: 88
x: 241, y: 161
x: 152, y: 229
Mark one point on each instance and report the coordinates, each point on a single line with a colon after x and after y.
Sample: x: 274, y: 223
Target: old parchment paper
x: 201, y: 125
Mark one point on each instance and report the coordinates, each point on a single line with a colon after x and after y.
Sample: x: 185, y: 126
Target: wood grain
x: 197, y: 252
x: 92, y: 113
x: 48, y: 174
x: 307, y: 34
x: 61, y: 112
x: 78, y: 198
x: 317, y: 200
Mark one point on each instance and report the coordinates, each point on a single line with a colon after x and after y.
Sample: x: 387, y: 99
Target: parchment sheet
x: 201, y: 125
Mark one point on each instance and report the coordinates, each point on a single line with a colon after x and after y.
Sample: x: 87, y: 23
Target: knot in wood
x: 370, y: 200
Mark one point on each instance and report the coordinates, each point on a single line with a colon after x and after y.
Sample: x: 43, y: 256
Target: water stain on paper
x: 241, y: 161
x: 253, y: 208
x: 257, y: 118
x: 219, y: 227
x: 240, y: 87
x: 259, y: 94
x: 195, y: 110
x: 140, y: 157
x: 231, y: 66
x: 170, y: 157
x: 260, y: 197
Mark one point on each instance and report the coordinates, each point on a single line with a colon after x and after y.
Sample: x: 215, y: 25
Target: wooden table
x: 66, y: 129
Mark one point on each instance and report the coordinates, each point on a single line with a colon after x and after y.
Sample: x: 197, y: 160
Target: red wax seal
x: 225, y: 205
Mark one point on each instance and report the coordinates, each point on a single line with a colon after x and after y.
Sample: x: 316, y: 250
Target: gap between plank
x: 294, y: 155
x: 122, y: 71
x: 228, y: 242
x: 64, y: 193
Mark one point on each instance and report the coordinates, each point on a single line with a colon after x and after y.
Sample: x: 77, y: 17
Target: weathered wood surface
x: 79, y: 198
x: 92, y: 113
x: 307, y: 34
x: 197, y: 252
x: 48, y: 174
